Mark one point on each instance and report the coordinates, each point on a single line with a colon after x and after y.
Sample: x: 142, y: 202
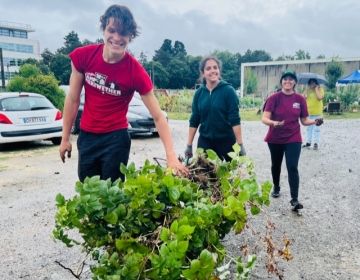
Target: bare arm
x: 191, y: 136
x: 163, y: 128
x: 238, y: 134
x: 319, y: 93
x: 306, y: 121
x: 71, y: 106
x: 266, y: 119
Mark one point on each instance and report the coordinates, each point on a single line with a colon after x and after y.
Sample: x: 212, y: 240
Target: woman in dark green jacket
x: 215, y: 111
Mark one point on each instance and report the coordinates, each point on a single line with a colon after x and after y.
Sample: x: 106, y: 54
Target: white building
x: 16, y: 46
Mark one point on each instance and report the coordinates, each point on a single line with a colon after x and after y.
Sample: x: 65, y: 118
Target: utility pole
x: 153, y: 72
x: 2, y: 69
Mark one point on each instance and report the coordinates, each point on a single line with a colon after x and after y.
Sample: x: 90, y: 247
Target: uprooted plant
x: 156, y: 225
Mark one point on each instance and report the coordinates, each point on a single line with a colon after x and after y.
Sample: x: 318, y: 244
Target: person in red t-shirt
x: 282, y: 113
x: 110, y: 76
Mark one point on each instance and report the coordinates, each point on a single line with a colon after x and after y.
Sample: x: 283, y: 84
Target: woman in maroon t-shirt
x: 282, y: 113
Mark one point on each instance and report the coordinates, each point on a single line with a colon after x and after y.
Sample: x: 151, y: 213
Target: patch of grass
x: 251, y: 115
x: 3, y: 158
x: 178, y: 115
x: 344, y: 115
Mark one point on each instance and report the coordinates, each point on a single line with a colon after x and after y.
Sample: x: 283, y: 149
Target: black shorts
x: 102, y: 153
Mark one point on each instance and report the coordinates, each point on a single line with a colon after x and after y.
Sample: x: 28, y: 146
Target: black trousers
x: 102, y: 153
x: 292, y: 156
x: 220, y: 146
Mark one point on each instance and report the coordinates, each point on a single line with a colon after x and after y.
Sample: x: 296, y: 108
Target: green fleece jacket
x: 215, y: 112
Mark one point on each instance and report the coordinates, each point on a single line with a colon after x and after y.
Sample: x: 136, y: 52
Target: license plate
x: 34, y: 120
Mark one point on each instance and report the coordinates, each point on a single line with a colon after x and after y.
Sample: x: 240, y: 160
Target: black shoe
x: 307, y: 145
x: 296, y: 205
x: 316, y: 147
x: 276, y: 192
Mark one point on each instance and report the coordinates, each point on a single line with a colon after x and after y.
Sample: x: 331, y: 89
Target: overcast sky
x: 328, y: 27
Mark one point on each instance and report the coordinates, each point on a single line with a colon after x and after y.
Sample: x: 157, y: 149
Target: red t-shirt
x: 109, y: 88
x: 288, y: 108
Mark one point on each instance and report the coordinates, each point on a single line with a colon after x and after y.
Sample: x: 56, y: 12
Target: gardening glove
x: 188, y: 152
x: 242, y: 151
x: 319, y: 121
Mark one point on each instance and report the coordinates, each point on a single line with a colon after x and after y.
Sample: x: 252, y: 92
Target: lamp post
x: 2, y: 69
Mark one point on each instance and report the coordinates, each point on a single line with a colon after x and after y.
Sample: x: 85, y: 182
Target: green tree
x: 72, y: 42
x: 30, y: 79
x: 302, y: 55
x: 193, y: 74
x: 178, y: 71
x: 179, y: 50
x: 60, y: 65
x: 165, y: 53
x: 47, y: 56
x: 256, y: 56
x: 143, y: 58
x: 158, y: 74
x: 28, y: 70
x: 44, y: 69
x: 333, y: 72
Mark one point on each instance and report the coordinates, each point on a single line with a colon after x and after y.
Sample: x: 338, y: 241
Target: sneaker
x: 316, y: 147
x: 276, y: 192
x: 307, y: 145
x: 296, y: 205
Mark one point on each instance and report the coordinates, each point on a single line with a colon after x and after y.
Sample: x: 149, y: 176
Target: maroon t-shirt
x: 288, y: 108
x: 109, y: 88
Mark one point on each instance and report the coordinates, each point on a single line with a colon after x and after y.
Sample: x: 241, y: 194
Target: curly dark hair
x: 123, y: 19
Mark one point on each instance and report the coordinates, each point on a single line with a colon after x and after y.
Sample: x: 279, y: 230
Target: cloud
x: 279, y: 27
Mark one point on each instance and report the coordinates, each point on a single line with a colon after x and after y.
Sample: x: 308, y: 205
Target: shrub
x: 159, y: 226
x: 30, y: 79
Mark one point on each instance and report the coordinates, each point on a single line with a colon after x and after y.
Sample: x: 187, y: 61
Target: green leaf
x: 174, y: 226
x: 168, y: 180
x: 244, y: 196
x: 174, y: 194
x: 111, y: 218
x: 165, y: 234
x: 185, y: 230
x: 60, y: 200
x: 255, y: 210
x: 211, y: 154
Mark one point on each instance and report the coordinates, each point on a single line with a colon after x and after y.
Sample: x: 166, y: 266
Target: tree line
x: 170, y: 67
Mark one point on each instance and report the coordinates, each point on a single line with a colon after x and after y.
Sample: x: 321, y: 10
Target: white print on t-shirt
x: 98, y: 81
x: 296, y: 105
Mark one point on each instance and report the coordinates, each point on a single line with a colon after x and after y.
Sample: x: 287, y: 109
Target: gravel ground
x: 326, y: 239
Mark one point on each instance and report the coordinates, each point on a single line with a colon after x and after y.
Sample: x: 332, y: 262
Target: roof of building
x: 307, y: 61
x: 16, y: 26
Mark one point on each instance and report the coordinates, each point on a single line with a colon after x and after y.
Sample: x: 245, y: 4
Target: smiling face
x: 211, y: 72
x: 115, y: 43
x: 288, y: 83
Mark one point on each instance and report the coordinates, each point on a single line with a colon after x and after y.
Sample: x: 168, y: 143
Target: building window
x: 17, y: 47
x: 13, y: 33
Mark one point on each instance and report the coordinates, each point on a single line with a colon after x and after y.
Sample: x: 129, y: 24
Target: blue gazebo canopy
x: 354, y: 77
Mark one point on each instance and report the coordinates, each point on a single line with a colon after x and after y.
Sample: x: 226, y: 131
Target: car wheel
x: 56, y: 140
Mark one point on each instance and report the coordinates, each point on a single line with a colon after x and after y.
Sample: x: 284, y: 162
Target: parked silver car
x: 28, y: 117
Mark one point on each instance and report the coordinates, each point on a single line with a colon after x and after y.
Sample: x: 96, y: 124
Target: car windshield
x: 25, y: 103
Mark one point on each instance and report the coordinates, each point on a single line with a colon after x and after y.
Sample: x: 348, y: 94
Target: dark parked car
x: 139, y: 118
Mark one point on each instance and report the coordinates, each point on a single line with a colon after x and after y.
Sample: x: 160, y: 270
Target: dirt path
x: 326, y: 238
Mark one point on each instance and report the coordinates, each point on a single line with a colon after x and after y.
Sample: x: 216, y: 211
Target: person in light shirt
x: 314, y: 95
